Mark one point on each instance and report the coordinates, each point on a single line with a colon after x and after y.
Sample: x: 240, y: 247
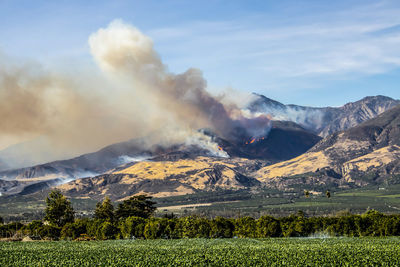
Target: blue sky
x: 314, y: 53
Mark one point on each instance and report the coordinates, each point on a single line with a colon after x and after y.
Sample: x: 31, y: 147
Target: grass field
x: 206, y: 252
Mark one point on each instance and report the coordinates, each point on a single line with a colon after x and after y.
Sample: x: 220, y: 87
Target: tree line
x: 134, y: 218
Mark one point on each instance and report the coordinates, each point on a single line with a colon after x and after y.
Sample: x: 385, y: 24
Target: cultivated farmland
x: 205, y: 252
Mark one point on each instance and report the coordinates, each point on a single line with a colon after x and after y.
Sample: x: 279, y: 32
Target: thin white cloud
x: 359, y: 41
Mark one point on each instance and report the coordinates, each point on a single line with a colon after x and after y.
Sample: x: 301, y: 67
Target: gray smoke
x: 136, y: 96
x: 123, y: 52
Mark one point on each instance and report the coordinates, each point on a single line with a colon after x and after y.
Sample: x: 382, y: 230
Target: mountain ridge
x: 166, y: 178
x: 289, y: 149
x: 369, y: 149
x: 325, y: 120
x: 320, y: 120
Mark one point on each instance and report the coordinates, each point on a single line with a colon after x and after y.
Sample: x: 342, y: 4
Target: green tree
x: 49, y: 231
x: 139, y: 206
x: 348, y: 225
x: 268, y: 226
x: 68, y: 232
x: 59, y: 210
x: 295, y: 225
x: 75, y: 229
x: 245, y: 227
x: 93, y: 228
x: 192, y: 227
x: 203, y: 228
x: 221, y: 227
x: 108, y: 231
x: 328, y: 194
x: 32, y: 228
x: 392, y: 225
x: 132, y: 227
x: 372, y: 223
x: 155, y: 228
x: 104, y: 210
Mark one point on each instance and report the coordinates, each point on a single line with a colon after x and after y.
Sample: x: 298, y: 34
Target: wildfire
x: 254, y: 140
x: 220, y: 148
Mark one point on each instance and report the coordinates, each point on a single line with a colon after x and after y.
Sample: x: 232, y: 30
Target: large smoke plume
x: 122, y: 50
x: 71, y: 117
x: 136, y: 96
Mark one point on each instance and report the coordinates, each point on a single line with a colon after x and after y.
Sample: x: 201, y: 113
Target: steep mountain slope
x: 285, y: 140
x: 379, y: 132
x: 369, y: 149
x: 366, y: 153
x: 355, y: 113
x: 166, y: 178
x: 179, y: 172
x: 327, y: 120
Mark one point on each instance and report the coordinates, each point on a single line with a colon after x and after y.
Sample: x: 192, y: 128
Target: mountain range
x: 326, y: 120
x: 366, y: 153
x: 356, y: 144
x: 269, y: 149
x: 319, y: 121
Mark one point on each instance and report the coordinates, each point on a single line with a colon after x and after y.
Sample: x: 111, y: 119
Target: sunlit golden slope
x: 311, y: 161
x: 166, y: 178
x: 376, y: 159
x: 199, y: 173
x: 164, y: 169
x: 308, y: 162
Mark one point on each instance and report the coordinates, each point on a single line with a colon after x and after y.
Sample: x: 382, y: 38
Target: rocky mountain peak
x: 327, y: 120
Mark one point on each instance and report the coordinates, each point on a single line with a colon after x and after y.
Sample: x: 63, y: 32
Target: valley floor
x: 312, y: 251
x: 383, y: 198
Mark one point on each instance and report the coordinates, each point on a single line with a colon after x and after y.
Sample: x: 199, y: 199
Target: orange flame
x: 220, y: 148
x: 254, y: 140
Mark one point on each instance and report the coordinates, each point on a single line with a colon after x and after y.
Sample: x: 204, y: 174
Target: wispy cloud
x: 354, y: 42
x: 306, y: 48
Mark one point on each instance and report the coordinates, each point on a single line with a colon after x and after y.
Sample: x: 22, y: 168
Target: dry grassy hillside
x: 166, y: 178
x: 305, y: 163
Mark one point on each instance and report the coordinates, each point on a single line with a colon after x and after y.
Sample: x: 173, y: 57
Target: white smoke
x: 183, y: 103
x: 310, y: 118
x: 128, y: 159
x: 205, y: 142
x: 133, y: 96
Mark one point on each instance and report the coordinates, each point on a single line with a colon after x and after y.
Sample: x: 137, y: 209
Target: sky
x: 315, y: 53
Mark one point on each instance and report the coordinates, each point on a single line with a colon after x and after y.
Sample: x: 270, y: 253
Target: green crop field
x: 206, y: 252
